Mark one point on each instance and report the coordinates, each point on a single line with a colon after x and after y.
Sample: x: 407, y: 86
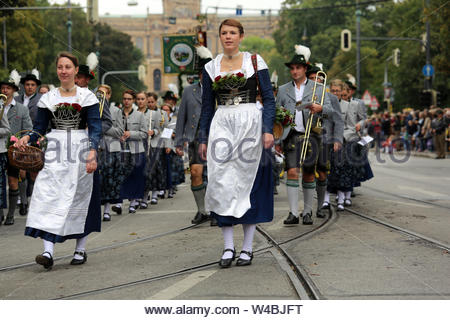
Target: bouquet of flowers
x: 283, y: 118
x: 229, y: 82
x: 69, y: 106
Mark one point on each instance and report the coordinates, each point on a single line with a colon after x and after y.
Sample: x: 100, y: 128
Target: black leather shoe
x: 117, y: 209
x: 307, y: 218
x: 23, y: 209
x: 143, y: 205
x: 326, y: 205
x: 199, y: 218
x: 76, y: 262
x: 291, y: 219
x: 106, y: 217
x: 213, y: 222
x: 226, y: 263
x: 244, y: 262
x: 322, y: 212
x: 132, y: 209
x: 9, y: 221
x: 45, y: 261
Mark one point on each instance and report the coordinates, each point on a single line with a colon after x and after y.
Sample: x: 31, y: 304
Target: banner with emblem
x: 179, y: 53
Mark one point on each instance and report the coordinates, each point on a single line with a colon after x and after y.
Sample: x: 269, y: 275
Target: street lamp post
x: 69, y: 29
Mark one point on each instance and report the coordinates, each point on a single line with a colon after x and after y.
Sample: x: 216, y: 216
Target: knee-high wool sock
x: 249, y: 233
x: 308, y: 195
x: 292, y: 192
x: 199, y: 196
x: 80, y: 247
x: 228, y: 242
x: 12, y: 198
x: 23, y: 185
x: 321, y: 188
x: 48, y: 247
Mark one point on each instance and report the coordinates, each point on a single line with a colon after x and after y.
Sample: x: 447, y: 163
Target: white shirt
x: 13, y: 103
x: 299, y: 114
x: 26, y: 100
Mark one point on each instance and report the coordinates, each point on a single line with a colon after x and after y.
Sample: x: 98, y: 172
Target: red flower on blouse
x: 240, y: 74
x: 217, y: 78
x: 76, y: 106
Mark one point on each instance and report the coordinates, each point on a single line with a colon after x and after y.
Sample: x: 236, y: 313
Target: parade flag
x: 179, y: 53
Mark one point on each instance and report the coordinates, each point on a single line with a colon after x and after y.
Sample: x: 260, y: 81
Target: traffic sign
x: 374, y: 104
x: 428, y: 70
x: 366, y: 98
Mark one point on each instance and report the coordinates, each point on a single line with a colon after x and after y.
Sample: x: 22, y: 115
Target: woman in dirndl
x: 4, y: 134
x: 62, y: 192
x: 112, y: 165
x: 156, y: 170
x: 239, y: 137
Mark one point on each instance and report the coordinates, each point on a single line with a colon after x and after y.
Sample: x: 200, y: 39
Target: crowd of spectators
x: 411, y: 130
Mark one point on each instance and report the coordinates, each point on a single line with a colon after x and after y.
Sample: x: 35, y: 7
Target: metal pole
x: 69, y: 28
x: 428, y: 83
x: 358, y: 50
x: 5, y: 51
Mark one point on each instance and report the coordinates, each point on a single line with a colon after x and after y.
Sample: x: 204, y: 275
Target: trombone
x: 3, y: 99
x: 101, y: 96
x: 319, y: 75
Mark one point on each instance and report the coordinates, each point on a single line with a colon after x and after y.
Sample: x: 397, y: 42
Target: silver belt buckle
x: 229, y: 102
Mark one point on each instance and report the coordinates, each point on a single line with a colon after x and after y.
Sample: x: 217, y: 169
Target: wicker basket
x: 31, y: 158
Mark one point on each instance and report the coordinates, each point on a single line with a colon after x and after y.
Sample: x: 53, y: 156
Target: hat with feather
x: 88, y: 68
x: 13, y: 80
x: 34, y: 76
x: 301, y: 56
x: 351, y: 82
x: 314, y: 68
x: 204, y: 55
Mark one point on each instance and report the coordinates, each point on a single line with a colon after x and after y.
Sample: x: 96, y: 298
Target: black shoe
x: 326, y: 205
x: 170, y: 195
x: 143, y: 205
x: 23, y: 209
x: 44, y: 260
x: 226, y: 263
x: 76, y: 262
x: 132, y: 209
x: 291, y: 219
x: 244, y: 262
x: 321, y: 213
x: 106, y: 217
x: 154, y: 201
x: 347, y: 203
x: 307, y: 218
x: 199, y: 218
x: 117, y: 209
x: 213, y: 222
x: 161, y: 196
x: 275, y: 191
x: 340, y: 207
x: 9, y: 221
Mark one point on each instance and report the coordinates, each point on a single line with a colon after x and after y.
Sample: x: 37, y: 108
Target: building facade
x: 180, y: 17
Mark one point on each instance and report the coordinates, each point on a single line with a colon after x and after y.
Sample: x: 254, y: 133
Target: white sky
x: 120, y: 7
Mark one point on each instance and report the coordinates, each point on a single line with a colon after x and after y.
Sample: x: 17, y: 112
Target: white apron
x: 234, y: 153
x: 63, y: 188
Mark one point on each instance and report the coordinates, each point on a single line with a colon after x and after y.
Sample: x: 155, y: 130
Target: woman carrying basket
x: 59, y: 204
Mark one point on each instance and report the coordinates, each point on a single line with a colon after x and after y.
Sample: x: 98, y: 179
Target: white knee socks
x: 228, y: 242
x: 249, y: 233
x: 81, y: 247
x: 48, y: 247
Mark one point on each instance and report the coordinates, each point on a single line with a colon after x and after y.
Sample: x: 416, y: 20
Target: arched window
x: 157, y: 47
x: 140, y: 44
x: 157, y: 80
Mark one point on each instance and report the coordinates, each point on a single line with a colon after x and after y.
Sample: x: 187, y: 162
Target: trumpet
x: 319, y: 75
x: 3, y: 99
x: 101, y: 96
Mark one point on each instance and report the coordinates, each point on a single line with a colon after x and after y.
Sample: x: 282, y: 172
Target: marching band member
x: 5, y: 131
x: 19, y: 121
x: 63, y: 189
x: 333, y: 132
x: 187, y: 130
x: 299, y: 91
x: 239, y: 136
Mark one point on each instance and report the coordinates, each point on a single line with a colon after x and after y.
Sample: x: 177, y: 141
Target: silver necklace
x: 68, y: 90
x: 230, y: 58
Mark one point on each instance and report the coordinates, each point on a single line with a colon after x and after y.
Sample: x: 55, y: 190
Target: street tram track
x: 103, y: 248
x: 388, y: 225
x: 308, y: 286
x: 407, y: 197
